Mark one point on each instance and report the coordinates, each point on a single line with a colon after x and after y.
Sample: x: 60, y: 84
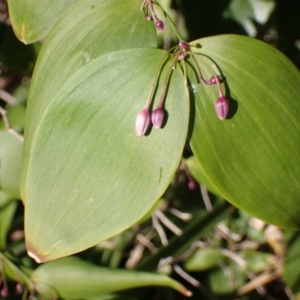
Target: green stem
x: 153, y: 87
x: 171, y: 23
x: 165, y: 85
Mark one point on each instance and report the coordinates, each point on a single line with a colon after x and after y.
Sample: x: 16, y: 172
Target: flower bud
x: 212, y: 80
x: 159, y: 25
x: 4, y: 292
x: 19, y: 288
x: 148, y: 18
x: 222, y: 107
x: 183, y: 45
x: 157, y: 117
x: 142, y: 122
x: 192, y: 185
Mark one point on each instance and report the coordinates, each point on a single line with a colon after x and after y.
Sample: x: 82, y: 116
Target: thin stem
x: 8, y: 98
x: 216, y: 77
x: 159, y: 230
x: 199, y: 73
x: 161, y: 216
x: 184, y: 72
x: 221, y: 94
x: 171, y: 23
x: 205, y: 197
x: 186, y: 276
x: 153, y: 87
x: 165, y: 84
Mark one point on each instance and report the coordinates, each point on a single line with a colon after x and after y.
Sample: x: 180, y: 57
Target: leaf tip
x: 38, y: 257
x: 21, y: 34
x: 34, y: 256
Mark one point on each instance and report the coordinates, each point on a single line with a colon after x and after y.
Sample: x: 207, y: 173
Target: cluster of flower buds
x: 150, y: 14
x: 183, y: 48
x: 144, y: 119
x: 180, y: 53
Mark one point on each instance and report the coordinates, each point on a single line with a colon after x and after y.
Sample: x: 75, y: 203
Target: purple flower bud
x: 181, y: 55
x: 4, y: 292
x: 222, y: 107
x: 19, y: 288
x: 142, y: 122
x: 183, y: 46
x: 157, y: 117
x: 159, y: 25
x: 192, y: 185
x: 212, y: 80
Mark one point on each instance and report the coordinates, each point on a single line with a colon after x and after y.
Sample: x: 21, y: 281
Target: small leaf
x: 71, y: 278
x: 291, y: 273
x: 203, y: 259
x: 10, y: 163
x: 257, y: 261
x: 251, y: 158
x: 225, y: 280
x: 7, y: 209
x: 97, y: 177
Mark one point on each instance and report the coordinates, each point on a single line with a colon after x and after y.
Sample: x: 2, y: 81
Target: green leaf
x: 13, y: 271
x: 203, y: 259
x: 88, y: 30
x: 16, y: 118
x: 7, y: 210
x: 196, y: 171
x: 252, y: 158
x: 10, y: 163
x: 89, y: 176
x: 71, y: 278
x: 225, y: 280
x: 33, y: 19
x: 291, y: 273
x: 257, y: 261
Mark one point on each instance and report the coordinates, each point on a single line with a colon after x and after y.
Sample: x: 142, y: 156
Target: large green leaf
x: 33, y: 19
x: 252, y: 158
x: 71, y: 278
x: 89, y: 176
x: 90, y: 29
x: 10, y: 163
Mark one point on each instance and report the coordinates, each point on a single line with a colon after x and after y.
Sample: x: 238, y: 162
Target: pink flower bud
x: 222, y: 107
x: 4, y: 292
x: 142, y: 122
x: 212, y: 80
x: 181, y: 55
x: 159, y: 25
x: 19, y: 288
x: 192, y: 185
x: 157, y: 117
x: 183, y: 45
x: 148, y: 18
